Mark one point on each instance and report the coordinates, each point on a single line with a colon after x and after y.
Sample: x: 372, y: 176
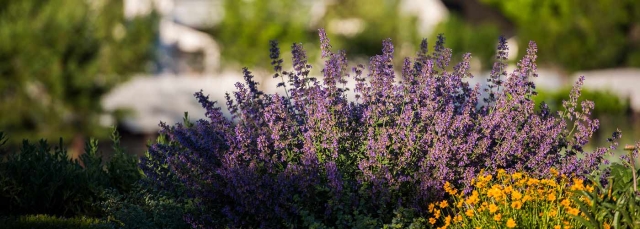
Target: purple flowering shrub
x: 312, y: 158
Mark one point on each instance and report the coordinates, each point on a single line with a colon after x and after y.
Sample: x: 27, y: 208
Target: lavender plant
x: 312, y: 158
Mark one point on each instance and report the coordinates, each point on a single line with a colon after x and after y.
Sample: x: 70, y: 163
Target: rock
x: 165, y: 98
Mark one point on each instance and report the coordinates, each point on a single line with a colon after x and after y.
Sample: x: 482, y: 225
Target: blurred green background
x: 58, y: 58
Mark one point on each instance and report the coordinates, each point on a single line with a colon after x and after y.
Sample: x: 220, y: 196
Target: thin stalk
x: 633, y: 166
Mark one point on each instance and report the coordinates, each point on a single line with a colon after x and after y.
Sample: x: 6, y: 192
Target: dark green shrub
x: 52, y: 222
x: 144, y: 208
x: 122, y: 169
x: 38, y: 180
x: 406, y: 218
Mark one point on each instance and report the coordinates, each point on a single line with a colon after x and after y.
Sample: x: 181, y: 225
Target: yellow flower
x: 493, y: 208
x: 551, y: 197
x: 497, y: 217
x: 443, y: 204
x: 566, y: 224
x: 516, y: 176
x: 533, y: 181
x: 457, y: 219
x: 573, y: 211
x: 606, y: 225
x: 508, y: 189
x: 473, y: 199
x: 516, y: 195
x: 511, y: 223
x: 469, y: 213
x: 436, y: 213
x: 432, y: 221
x: 431, y: 206
x: 565, y: 203
x: 549, y: 182
x: 449, y: 188
x: 557, y: 227
x: 553, y: 213
x: 516, y: 204
x: 577, y: 185
x: 553, y: 172
x: 495, y: 192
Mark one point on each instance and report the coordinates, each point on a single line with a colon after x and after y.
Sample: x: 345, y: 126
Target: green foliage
x: 144, y: 208
x: 57, y: 61
x: 406, y: 218
x: 615, y: 203
x: 586, y: 35
x: 123, y: 168
x: 52, y: 222
x: 38, y: 181
x: 477, y: 39
x: 607, y: 102
x: 382, y: 18
x: 248, y: 26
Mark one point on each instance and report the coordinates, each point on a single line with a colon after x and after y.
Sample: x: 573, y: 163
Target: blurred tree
x: 58, y: 57
x: 584, y: 34
x: 463, y: 37
x: 357, y: 26
x: 374, y: 20
x: 247, y: 27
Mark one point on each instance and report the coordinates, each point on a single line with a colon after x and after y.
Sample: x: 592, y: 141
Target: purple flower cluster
x: 312, y: 157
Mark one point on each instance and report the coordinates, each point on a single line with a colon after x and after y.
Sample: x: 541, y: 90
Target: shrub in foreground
x: 143, y: 207
x: 39, y: 180
x: 311, y: 158
x: 52, y: 222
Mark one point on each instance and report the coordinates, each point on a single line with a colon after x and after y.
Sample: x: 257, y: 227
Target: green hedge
x: 52, y: 222
x: 607, y: 103
x: 42, y: 180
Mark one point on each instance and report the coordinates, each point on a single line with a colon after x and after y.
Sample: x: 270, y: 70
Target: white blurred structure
x: 178, y: 34
x: 166, y: 98
x: 429, y: 12
x: 623, y: 82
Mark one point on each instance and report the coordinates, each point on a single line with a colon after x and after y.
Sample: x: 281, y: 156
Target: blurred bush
x: 380, y: 19
x: 247, y: 27
x: 58, y: 57
x: 462, y: 37
x: 357, y: 26
x: 584, y: 34
x: 607, y: 103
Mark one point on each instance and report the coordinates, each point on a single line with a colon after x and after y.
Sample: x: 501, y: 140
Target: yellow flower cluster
x: 510, y: 200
